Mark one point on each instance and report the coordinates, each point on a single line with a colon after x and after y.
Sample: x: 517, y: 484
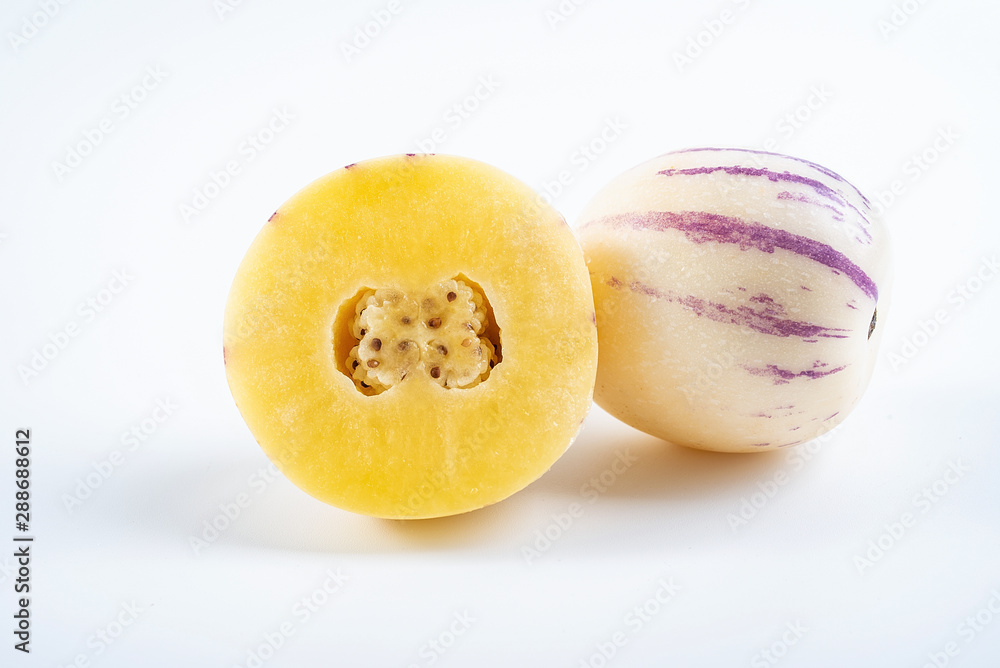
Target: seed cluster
x: 439, y: 333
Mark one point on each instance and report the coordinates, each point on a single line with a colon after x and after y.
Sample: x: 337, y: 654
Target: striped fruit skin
x: 735, y: 292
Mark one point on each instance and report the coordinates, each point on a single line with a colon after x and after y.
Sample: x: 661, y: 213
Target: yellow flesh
x: 412, y: 224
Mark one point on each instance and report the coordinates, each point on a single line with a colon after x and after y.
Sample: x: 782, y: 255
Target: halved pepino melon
x: 412, y: 336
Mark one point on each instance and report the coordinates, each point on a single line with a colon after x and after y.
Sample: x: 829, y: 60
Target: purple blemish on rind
x: 744, y: 316
x: 273, y: 216
x: 702, y: 226
x: 819, y: 168
x: 831, y: 417
x: 850, y: 305
x: 759, y: 445
x: 794, y: 428
x: 810, y: 340
x: 782, y: 376
x: 742, y: 289
x: 350, y: 166
x: 225, y: 354
x: 805, y: 288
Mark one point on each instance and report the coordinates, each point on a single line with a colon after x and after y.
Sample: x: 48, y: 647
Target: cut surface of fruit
x: 412, y: 336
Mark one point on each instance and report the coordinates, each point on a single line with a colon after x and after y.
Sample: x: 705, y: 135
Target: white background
x: 878, y: 96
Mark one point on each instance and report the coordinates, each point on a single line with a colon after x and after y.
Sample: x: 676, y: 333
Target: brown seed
x: 364, y: 384
x: 405, y: 320
x: 434, y: 323
x: 452, y: 296
x: 469, y: 327
x: 466, y: 343
x: 376, y: 344
x: 354, y: 364
x: 436, y: 372
x: 442, y: 350
x: 403, y: 345
x: 372, y: 364
x: 363, y: 332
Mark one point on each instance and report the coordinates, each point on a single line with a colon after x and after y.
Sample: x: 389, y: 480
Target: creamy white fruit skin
x: 735, y: 291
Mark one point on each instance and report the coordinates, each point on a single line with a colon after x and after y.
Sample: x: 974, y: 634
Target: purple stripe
x: 735, y: 170
x: 745, y: 316
x: 701, y: 226
x: 782, y: 376
x: 819, y: 168
x: 838, y: 215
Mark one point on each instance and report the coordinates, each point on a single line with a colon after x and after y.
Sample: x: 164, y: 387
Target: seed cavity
x: 444, y: 333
